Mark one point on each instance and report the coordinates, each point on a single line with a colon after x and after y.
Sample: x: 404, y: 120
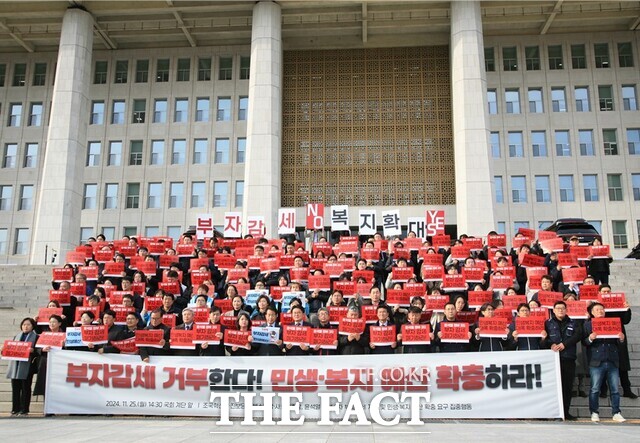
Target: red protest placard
x: 527, y: 232
x: 577, y: 309
x: 152, y: 303
x: 614, y: 301
x: 336, y: 313
x: 536, y: 271
x: 467, y: 316
x: 78, y: 289
x: 372, y: 254
x: 199, y: 277
x: 324, y: 247
x: 181, y: 339
x: 478, y: 298
x: 240, y: 339
x: 606, y: 327
x: 45, y: 313
x: 228, y: 321
x: 453, y: 282
x: 113, y: 269
x: 500, y: 281
x: 415, y: 289
x: 115, y: 297
x: 121, y: 313
x: 507, y: 270
x: 431, y: 258
x: 351, y: 326
x: 589, y: 292
x: 82, y: 309
x: 224, y: 262
x: 16, y: 350
x: 473, y: 274
x: 325, y: 338
x: 552, y: 245
x: 398, y: 297
x: 492, y: 327
x: 149, y: 337
x: 370, y: 313
x: 581, y: 252
x: 277, y: 291
x: 416, y: 334
x: 76, y: 258
x: 434, y: 222
x: 460, y: 252
x: 602, y: 251
x: 349, y: 247
x: 165, y: 261
x: 436, y: 303
x: 128, y: 251
x: 95, y: 334
x: 295, y: 335
x: 497, y: 241
x: 454, y: 332
x: 51, y: 340
x: 270, y: 264
x: 104, y: 256
x: 531, y: 326
x: 413, y: 243
x: 473, y: 243
x: 399, y: 253
x: 532, y: 260
x: 206, y: 333
x: 548, y: 298
x: 546, y: 235
x: 348, y: 288
x: 196, y: 263
x: 441, y: 241
x: 382, y: 335
x: 333, y: 270
x: 368, y: 275
x: 126, y: 346
x: 432, y: 272
x: 223, y: 303
x: 539, y: 312
x: 200, y: 315
x: 516, y: 242
x: 319, y: 282
x: 185, y: 250
x: 172, y: 287
x: 401, y: 274
x: 511, y: 302
x: 425, y: 316
x: 574, y: 275
x: 148, y: 267
x: 62, y: 297
x: 91, y: 272
x: 235, y: 274
x: 170, y: 320
x: 62, y: 274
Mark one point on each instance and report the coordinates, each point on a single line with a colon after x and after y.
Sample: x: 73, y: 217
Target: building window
x: 100, y: 74
x: 614, y: 185
x: 6, y: 193
x: 115, y: 153
x: 515, y: 144
x: 492, y: 100
x: 601, y: 52
x: 226, y: 68
x: 243, y: 105
x: 605, y: 94
x: 532, y: 58
x: 204, y: 69
x: 184, y: 69
x: 178, y: 152
x: 518, y: 189
x: 224, y: 109
x: 40, y: 74
x: 501, y: 227
x: 133, y: 195
x: 494, y: 140
x: 590, y: 183
x: 93, y: 153
x: 499, y: 189
x: 3, y: 241
x: 130, y: 231
x: 202, y: 109
x: 578, y: 57
x: 222, y: 150
x: 109, y: 232
x: 633, y: 141
x: 162, y: 70
x: 151, y: 231
x: 154, y: 197
x: 3, y: 73
x: 563, y: 148
x: 510, y: 58
x: 200, y: 148
x: 30, y: 155
x: 97, y: 113
x: 111, y: 196
x: 220, y: 192
x: 245, y: 67
x: 512, y: 99
x: 15, y: 114
x: 19, y: 74
x: 629, y: 98
x: 619, y: 229
x: 241, y: 150
x: 539, y: 143
x: 239, y: 193
x: 139, y: 111
x: 582, y: 99
x: 122, y: 71
x: 22, y: 242
x: 520, y: 224
x: 625, y: 55
x: 635, y: 185
x: 35, y: 114
x: 558, y: 100
x: 90, y: 196
x: 197, y: 194
x: 489, y: 60
x: 135, y: 153
x: 118, y: 112
x: 543, y: 189
x: 157, y: 152
x: 555, y: 57
x: 160, y: 111
x: 585, y: 137
x: 610, y: 140
x: 176, y: 194
x: 566, y: 188
x: 10, y: 155
x: 181, y: 114
x: 535, y: 100
x: 142, y: 71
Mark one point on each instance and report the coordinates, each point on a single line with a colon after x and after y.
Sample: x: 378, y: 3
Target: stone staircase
x: 25, y: 288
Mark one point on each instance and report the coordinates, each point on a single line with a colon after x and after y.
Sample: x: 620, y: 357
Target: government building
x: 132, y: 118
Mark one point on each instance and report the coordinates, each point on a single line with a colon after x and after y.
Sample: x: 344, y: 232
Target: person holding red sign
x: 353, y: 344
x: 604, y: 361
x: 155, y: 322
x: 214, y: 350
x: 525, y: 343
x: 413, y: 318
x: 488, y: 344
x: 384, y: 314
x: 243, y: 323
x: 271, y: 319
x: 599, y: 267
x: 21, y: 372
x: 187, y: 325
x: 321, y: 321
x: 449, y: 316
x: 298, y: 315
x: 115, y: 333
x: 55, y: 325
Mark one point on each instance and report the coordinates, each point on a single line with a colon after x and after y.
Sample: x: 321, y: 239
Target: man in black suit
x: 384, y: 319
x: 155, y: 322
x: 297, y: 313
x: 187, y: 325
x: 271, y: 317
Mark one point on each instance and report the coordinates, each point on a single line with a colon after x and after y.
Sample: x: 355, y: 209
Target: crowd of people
x: 241, y: 284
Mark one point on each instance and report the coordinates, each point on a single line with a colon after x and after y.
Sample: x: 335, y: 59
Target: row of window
x: 154, y: 196
x: 25, y: 202
x: 562, y: 142
x: 10, y: 155
x: 566, y: 188
x: 536, y: 102
x: 19, y: 75
x: 556, y: 55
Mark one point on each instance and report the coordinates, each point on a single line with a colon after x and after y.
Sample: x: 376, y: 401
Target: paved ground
x: 174, y: 430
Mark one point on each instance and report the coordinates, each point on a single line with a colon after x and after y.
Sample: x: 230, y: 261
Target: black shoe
x: 630, y: 394
x: 14, y: 413
x: 570, y: 417
x: 582, y: 394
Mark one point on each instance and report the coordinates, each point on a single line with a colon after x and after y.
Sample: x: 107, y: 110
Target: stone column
x: 474, y: 196
x: 264, y: 123
x: 57, y: 220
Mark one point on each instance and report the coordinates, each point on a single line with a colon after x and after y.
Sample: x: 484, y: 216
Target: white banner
x: 232, y: 225
x: 367, y: 222
x: 286, y: 221
x: 391, y: 223
x: 518, y: 384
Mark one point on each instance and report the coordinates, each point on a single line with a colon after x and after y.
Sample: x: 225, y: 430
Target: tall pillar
x: 474, y: 196
x: 57, y: 221
x: 264, y: 123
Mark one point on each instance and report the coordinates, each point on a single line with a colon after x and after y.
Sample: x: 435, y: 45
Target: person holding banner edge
x: 21, y: 372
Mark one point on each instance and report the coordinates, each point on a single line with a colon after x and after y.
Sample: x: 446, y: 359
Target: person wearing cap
x: 353, y: 344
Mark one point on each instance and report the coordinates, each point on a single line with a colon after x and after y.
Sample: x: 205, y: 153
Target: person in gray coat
x: 21, y: 372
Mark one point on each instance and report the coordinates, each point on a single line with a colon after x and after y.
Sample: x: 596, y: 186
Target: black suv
x: 579, y: 227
